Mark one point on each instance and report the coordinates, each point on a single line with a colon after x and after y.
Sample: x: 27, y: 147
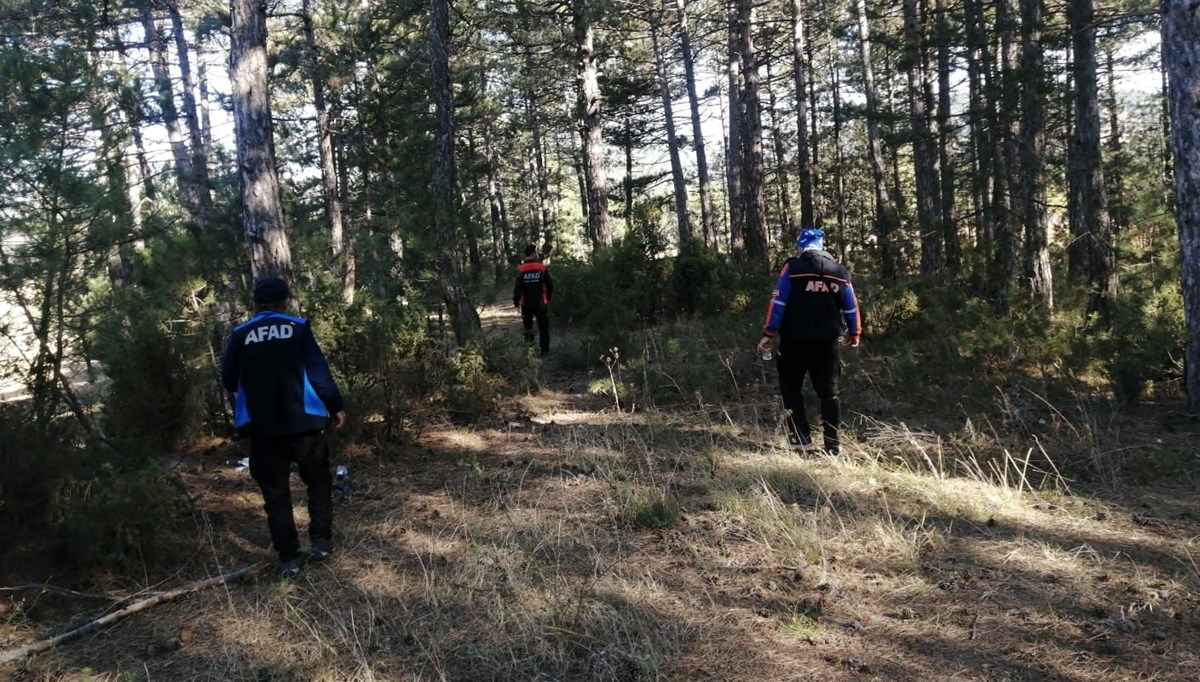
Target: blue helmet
x: 813, y: 238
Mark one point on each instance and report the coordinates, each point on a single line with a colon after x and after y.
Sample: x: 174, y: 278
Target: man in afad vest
x: 285, y: 398
x: 531, y: 294
x: 812, y: 306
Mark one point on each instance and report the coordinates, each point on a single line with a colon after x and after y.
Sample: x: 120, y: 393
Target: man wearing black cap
x: 285, y: 398
x: 813, y: 304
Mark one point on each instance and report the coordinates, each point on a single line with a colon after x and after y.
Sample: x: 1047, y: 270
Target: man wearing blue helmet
x: 813, y: 304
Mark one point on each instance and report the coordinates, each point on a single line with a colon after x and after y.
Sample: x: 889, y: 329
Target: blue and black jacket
x: 813, y: 299
x: 281, y: 380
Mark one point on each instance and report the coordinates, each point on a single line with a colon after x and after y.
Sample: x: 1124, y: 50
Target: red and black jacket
x: 533, y: 286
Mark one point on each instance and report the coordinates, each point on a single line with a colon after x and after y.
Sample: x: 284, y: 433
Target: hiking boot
x: 291, y: 567
x: 832, y: 449
x: 322, y: 549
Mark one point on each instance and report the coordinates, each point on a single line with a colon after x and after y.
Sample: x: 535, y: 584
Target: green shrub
x: 91, y: 506
x: 653, y: 512
x: 115, y: 514
x: 155, y: 395
x: 1144, y: 341
x: 701, y: 281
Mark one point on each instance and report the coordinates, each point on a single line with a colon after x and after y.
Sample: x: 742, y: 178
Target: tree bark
x: 1118, y: 210
x: 924, y: 160
x: 628, y: 184
x: 495, y: 210
x: 262, y: 209
x: 592, y: 126
x: 339, y: 238
x: 946, y: 143
x: 734, y: 154
x: 787, y: 219
x: 191, y: 114
x: 707, y: 214
x: 541, y: 173
x: 800, y: 75
x: 682, y: 216
x: 184, y: 170
x: 463, y: 317
x: 204, y: 104
x: 887, y: 221
x: 983, y: 105
x: 1033, y: 155
x: 753, y: 184
x: 1093, y: 242
x: 1004, y: 254
x: 839, y: 175
x: 129, y: 100
x: 1181, y: 40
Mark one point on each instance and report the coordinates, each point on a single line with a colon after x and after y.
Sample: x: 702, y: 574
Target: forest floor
x: 562, y: 539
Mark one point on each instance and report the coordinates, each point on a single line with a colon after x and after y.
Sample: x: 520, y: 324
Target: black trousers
x: 270, y: 465
x: 818, y: 358
x: 529, y: 312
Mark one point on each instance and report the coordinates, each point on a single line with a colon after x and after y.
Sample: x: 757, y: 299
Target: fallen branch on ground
x: 64, y: 592
x: 169, y: 595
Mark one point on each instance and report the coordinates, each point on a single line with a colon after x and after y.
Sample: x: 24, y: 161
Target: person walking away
x: 531, y: 294
x: 812, y: 306
x: 285, y: 398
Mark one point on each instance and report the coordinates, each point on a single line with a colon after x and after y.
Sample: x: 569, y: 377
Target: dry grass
x: 513, y: 550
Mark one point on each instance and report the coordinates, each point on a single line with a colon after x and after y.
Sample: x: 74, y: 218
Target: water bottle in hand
x: 767, y: 355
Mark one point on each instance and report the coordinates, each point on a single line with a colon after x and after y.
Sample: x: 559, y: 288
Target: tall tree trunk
x: 495, y: 211
x: 839, y: 174
x: 628, y: 185
x: 204, y: 104
x: 129, y: 100
x: 946, y: 143
x: 683, y: 218
x: 707, y: 214
x: 753, y: 184
x: 924, y: 163
x: 1181, y: 40
x: 983, y: 111
x: 339, y: 239
x: 589, y: 116
x: 1086, y: 172
x: 898, y: 190
x: 789, y: 227
x: 184, y: 170
x: 581, y: 181
x: 1116, y: 153
x: 1004, y: 255
x: 545, y: 208
x: 734, y: 149
x: 191, y: 115
x: 887, y: 221
x: 1033, y: 155
x: 800, y: 75
x: 1168, y: 159
x: 262, y: 209
x: 122, y: 220
x: 463, y: 316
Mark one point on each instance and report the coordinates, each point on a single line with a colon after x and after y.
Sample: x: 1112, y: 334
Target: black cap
x: 270, y: 290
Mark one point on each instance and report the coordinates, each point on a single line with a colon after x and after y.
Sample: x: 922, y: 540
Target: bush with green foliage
x: 1144, y: 345
x: 156, y: 391
x: 89, y: 504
